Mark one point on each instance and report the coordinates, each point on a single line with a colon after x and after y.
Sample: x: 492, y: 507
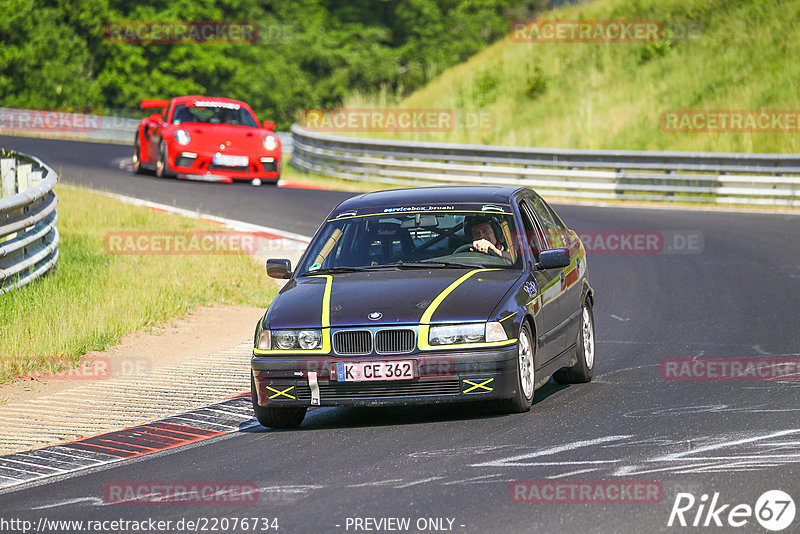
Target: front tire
x: 136, y: 159
x: 161, y: 165
x: 288, y: 417
x: 526, y: 380
x: 582, y: 371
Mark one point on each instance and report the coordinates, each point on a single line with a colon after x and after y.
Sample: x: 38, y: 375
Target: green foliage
x: 483, y: 92
x: 536, y: 83
x: 309, y: 54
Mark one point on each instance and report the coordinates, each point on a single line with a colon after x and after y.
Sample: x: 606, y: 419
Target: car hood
x: 400, y: 297
x: 236, y: 139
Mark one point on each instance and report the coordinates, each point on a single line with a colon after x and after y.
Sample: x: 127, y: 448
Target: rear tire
x: 582, y: 371
x: 526, y: 380
x: 288, y: 417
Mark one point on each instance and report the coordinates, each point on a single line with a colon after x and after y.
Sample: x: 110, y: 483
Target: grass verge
x: 94, y: 297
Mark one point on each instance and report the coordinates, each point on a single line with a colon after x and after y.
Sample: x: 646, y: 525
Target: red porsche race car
x: 204, y: 138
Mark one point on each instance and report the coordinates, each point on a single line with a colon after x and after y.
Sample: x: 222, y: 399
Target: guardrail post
x: 24, y: 177
x: 8, y: 177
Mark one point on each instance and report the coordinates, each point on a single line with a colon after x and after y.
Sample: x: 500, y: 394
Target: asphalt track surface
x: 738, y: 297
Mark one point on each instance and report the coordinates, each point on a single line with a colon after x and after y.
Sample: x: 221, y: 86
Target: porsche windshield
x: 213, y: 113
x: 456, y: 238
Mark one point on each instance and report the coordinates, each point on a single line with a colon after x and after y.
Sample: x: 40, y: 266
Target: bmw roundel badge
x: 374, y: 316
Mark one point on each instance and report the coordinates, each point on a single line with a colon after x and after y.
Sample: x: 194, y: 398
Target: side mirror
x: 279, y: 268
x: 269, y: 125
x: 554, y: 258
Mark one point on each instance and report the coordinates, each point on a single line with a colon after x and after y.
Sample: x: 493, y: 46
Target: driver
x: 483, y: 237
x: 228, y: 116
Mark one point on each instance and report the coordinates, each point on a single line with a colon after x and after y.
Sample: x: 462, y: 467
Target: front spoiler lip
x: 224, y: 178
x: 298, y: 362
x: 224, y: 175
x: 497, y: 365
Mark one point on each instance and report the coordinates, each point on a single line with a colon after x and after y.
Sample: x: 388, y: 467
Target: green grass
x: 611, y: 95
x: 94, y: 298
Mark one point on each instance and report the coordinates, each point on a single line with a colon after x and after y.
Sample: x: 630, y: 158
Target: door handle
x: 561, y: 275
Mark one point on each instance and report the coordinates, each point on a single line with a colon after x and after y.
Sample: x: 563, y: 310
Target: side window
x: 533, y: 235
x: 553, y: 234
x: 562, y: 228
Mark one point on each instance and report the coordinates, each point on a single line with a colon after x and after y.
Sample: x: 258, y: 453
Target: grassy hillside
x: 737, y: 55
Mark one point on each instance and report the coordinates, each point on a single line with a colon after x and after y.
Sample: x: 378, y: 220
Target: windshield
x: 415, y: 239
x: 213, y: 113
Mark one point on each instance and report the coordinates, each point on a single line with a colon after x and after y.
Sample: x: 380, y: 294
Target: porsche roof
x: 185, y: 99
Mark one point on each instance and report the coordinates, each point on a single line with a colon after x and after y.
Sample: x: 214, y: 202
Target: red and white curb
x: 232, y: 415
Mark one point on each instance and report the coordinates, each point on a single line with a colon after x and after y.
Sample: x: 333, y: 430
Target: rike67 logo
x: 774, y: 510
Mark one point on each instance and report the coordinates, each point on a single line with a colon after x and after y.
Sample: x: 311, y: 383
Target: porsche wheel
x: 161, y: 164
x: 288, y: 417
x: 136, y: 158
x: 526, y: 382
x: 583, y: 369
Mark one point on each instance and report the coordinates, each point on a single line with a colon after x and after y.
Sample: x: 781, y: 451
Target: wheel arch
x: 587, y: 294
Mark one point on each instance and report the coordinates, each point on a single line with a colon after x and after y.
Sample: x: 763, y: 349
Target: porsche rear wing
x: 148, y: 103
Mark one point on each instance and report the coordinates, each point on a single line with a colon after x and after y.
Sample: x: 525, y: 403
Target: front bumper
x: 200, y: 165
x: 441, y: 377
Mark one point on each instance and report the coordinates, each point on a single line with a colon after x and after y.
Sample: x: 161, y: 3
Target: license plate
x: 230, y: 161
x: 367, y: 371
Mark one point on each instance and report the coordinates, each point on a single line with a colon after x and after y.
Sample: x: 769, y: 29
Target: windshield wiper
x: 425, y: 264
x: 450, y: 264
x: 334, y: 270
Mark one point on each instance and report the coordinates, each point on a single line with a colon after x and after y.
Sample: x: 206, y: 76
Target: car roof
x: 435, y: 194
x: 185, y: 99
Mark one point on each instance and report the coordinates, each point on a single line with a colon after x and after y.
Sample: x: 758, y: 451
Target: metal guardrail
x: 59, y: 124
x: 768, y: 179
x: 28, y: 233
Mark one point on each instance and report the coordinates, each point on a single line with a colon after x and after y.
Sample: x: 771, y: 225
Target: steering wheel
x: 463, y: 248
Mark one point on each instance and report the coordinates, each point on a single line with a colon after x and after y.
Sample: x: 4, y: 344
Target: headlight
x: 182, y: 137
x: 467, y: 333
x: 270, y: 142
x: 458, y: 333
x: 291, y: 339
x: 309, y: 339
x: 285, y: 339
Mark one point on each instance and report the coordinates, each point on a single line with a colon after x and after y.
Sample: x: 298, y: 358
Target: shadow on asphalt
x: 361, y: 416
